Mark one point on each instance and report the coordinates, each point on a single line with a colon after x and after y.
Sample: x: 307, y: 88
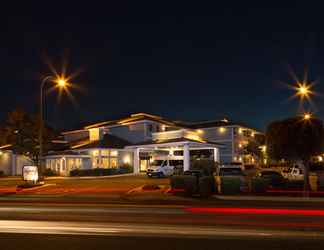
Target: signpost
x: 30, y: 174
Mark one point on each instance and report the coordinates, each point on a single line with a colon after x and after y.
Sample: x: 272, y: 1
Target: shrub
x: 94, y: 172
x: 207, y: 186
x: 187, y: 184
x: 230, y: 185
x: 258, y: 185
x: 49, y: 172
x: 125, y: 169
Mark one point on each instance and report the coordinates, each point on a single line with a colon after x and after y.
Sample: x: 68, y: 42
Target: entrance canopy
x: 184, y: 144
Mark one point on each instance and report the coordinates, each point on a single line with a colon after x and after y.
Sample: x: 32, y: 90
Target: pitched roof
x: 125, y: 120
x: 144, y: 116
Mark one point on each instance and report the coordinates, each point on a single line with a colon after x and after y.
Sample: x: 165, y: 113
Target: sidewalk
x: 268, y: 198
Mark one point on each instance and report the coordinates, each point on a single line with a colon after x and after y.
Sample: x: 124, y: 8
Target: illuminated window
x: 113, y: 162
x: 105, y: 152
x: 240, y: 131
x: 114, y: 153
x: 95, y: 152
x: 105, y: 162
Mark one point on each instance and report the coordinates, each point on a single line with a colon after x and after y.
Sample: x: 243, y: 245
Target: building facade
x: 134, y: 139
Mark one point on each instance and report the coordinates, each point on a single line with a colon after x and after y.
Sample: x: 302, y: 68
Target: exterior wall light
x: 222, y: 130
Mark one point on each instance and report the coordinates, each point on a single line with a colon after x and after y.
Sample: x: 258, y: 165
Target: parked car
x: 233, y: 171
x: 274, y: 178
x: 294, y: 173
x: 163, y: 168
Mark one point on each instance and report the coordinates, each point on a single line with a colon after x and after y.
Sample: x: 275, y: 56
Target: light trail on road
x: 123, y: 229
x: 256, y: 211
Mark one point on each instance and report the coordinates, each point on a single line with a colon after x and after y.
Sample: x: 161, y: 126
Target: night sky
x: 180, y: 60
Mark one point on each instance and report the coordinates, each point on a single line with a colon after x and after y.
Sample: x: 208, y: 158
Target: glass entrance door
x: 144, y: 164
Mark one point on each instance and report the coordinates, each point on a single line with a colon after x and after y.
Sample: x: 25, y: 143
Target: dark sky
x: 182, y: 60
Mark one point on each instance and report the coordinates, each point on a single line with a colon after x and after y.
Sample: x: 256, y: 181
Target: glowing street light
x: 303, y: 90
x: 61, y: 82
x: 307, y: 116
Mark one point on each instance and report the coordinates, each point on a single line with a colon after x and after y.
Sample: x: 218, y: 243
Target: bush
x: 230, y: 185
x: 49, y: 172
x: 125, y: 169
x: 207, y: 186
x: 186, y: 184
x: 258, y: 185
x: 94, y: 172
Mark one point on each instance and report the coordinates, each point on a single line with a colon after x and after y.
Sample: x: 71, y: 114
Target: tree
x: 253, y: 147
x: 295, y: 139
x: 21, y: 130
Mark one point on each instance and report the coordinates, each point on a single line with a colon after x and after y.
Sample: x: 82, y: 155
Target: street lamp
x: 61, y: 82
x: 303, y: 90
x: 307, y: 116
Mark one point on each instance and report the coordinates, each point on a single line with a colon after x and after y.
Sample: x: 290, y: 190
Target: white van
x: 164, y: 167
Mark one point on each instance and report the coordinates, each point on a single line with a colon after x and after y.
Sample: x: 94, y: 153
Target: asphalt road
x: 91, y: 226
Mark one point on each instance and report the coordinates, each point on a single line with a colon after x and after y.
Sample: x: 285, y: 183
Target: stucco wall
x: 132, y: 133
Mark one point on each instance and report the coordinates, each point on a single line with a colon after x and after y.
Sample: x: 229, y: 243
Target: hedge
x: 230, y: 185
x: 101, y: 171
x: 50, y: 172
x: 207, y: 186
x: 186, y: 184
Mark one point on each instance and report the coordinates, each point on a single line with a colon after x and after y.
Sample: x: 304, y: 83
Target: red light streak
x: 263, y: 211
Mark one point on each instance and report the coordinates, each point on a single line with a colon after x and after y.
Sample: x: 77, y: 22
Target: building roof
x: 108, y: 141
x: 125, y: 120
x: 144, y: 116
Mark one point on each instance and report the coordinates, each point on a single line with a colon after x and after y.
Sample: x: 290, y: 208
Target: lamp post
x: 60, y: 82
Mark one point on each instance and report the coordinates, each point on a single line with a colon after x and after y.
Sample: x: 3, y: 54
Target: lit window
x: 105, y: 152
x: 95, y: 152
x: 105, y: 162
x: 114, y: 153
x: 113, y: 162
x: 240, y: 131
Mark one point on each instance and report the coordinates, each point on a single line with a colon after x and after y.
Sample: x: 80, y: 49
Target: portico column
x: 186, y: 157
x: 216, y: 155
x: 136, y: 160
